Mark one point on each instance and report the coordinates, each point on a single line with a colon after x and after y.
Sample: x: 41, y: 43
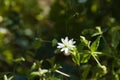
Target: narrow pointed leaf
x: 95, y: 44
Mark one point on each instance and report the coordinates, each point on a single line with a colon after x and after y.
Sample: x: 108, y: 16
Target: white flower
x: 66, y: 45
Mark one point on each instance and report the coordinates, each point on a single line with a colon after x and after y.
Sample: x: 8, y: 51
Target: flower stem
x: 64, y: 74
x: 96, y: 60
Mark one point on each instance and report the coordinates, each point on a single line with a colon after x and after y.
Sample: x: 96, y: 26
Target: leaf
x: 19, y: 59
x: 5, y: 77
x: 40, y: 72
x: 115, y: 38
x: 57, y: 66
x: 84, y: 40
x: 95, y: 34
x: 36, y: 64
x: 76, y: 58
x: 33, y: 66
x: 85, y: 57
x: 35, y: 73
x: 43, y: 71
x: 95, y: 44
x: 54, y: 42
x: 98, y: 28
x: 99, y: 31
x: 10, y: 78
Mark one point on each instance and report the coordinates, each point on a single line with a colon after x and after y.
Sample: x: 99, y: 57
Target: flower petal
x: 63, y: 49
x: 60, y: 45
x: 66, y: 40
x: 66, y: 50
x: 66, y: 45
x: 72, y: 42
x: 62, y: 40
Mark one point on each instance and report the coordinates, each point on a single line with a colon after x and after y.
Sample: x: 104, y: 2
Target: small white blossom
x: 66, y: 45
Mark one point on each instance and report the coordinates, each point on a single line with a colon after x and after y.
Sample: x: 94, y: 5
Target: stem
x: 64, y: 74
x: 96, y: 60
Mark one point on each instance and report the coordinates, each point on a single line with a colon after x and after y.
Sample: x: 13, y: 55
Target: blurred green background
x: 27, y: 28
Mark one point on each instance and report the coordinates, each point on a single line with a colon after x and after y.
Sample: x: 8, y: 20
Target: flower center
x: 67, y: 45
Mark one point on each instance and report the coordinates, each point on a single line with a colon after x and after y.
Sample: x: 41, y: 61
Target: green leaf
x: 33, y: 66
x: 84, y: 40
x: 95, y: 34
x: 43, y: 71
x: 35, y: 73
x: 99, y: 31
x: 40, y: 72
x: 10, y: 78
x: 54, y: 42
x: 5, y: 77
x: 57, y: 66
x: 85, y: 57
x: 76, y: 58
x: 95, y: 44
x: 115, y: 38
x: 36, y: 65
x: 19, y: 59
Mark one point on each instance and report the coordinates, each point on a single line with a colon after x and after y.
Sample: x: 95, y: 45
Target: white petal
x: 66, y: 40
x: 59, y: 47
x: 71, y: 41
x: 63, y: 49
x: 62, y: 40
x: 74, y: 42
x: 66, y: 50
x: 61, y: 44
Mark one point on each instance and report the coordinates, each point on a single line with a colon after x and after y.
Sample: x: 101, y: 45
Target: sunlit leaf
x: 19, y: 59
x: 10, y: 78
x: 33, y: 66
x: 85, y: 57
x: 35, y: 73
x: 43, y: 71
x: 84, y: 40
x: 99, y: 31
x: 95, y: 44
x: 76, y: 58
x: 40, y: 72
x: 5, y: 77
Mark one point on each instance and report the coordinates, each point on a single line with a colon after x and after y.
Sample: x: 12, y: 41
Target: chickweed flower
x: 66, y: 45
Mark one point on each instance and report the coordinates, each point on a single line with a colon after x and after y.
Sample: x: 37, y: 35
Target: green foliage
x: 6, y: 78
x: 85, y: 57
x: 95, y: 45
x: 31, y: 29
x: 76, y: 56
